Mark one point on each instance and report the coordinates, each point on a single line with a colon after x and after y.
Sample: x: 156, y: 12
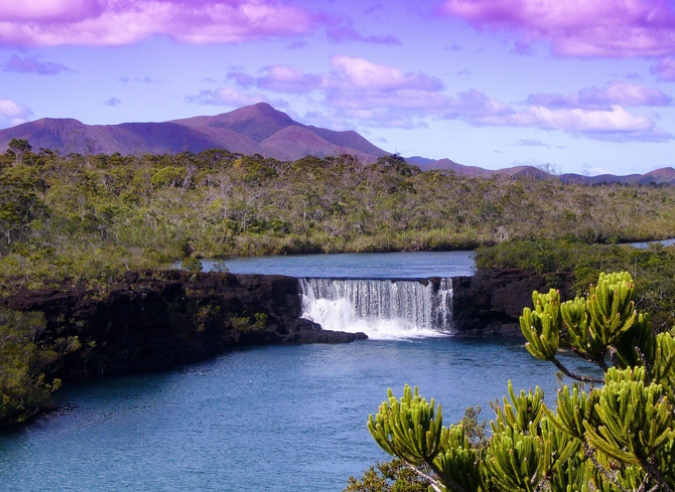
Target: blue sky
x: 582, y: 86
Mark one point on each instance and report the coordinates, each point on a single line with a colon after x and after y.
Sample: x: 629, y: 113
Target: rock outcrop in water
x: 157, y: 320
x: 490, y: 302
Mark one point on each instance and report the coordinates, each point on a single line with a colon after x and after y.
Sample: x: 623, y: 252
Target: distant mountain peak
x: 665, y: 175
x: 263, y: 108
x: 257, y: 110
x: 256, y: 129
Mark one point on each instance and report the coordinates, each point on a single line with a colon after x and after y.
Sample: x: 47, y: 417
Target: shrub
x: 614, y: 437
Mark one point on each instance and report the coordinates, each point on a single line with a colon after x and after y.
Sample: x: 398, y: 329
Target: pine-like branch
x: 652, y: 471
x: 574, y: 375
x: 433, y: 483
x: 588, y: 451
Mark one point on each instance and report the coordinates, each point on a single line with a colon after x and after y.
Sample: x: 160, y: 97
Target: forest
x: 90, y: 218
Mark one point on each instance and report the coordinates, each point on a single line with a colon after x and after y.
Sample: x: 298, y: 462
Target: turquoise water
x: 271, y: 418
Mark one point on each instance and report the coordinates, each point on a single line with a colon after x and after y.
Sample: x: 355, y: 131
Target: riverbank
x: 153, y: 320
x: 158, y: 320
x: 490, y: 302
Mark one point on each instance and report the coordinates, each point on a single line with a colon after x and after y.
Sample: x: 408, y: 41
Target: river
x: 269, y: 418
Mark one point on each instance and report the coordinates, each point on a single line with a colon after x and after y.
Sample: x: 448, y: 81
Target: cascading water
x: 380, y: 308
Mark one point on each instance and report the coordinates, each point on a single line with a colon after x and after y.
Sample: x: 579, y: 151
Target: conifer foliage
x: 615, y: 433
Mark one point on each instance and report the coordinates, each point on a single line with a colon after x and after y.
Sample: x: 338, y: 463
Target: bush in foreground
x: 618, y: 435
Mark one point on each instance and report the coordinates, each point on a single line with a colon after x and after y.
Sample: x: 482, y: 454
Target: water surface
x: 422, y: 264
x: 272, y: 418
x: 286, y: 419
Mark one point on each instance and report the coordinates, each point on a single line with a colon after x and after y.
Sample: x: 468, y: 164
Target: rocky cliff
x: 157, y: 320
x: 490, y: 302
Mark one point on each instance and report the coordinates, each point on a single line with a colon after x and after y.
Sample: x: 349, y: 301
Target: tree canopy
x: 92, y: 217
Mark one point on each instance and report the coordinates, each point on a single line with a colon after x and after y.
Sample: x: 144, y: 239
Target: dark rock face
x: 492, y: 301
x: 157, y: 320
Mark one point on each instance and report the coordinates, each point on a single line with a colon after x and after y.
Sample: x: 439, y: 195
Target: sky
x: 573, y: 85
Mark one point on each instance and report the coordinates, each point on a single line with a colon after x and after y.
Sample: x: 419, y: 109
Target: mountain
x: 459, y: 169
x: 257, y: 129
x: 665, y: 175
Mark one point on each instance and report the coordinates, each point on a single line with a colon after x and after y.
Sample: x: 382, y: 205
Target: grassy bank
x: 653, y: 268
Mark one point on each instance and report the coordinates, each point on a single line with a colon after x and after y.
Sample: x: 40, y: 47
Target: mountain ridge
x: 665, y: 175
x: 259, y: 129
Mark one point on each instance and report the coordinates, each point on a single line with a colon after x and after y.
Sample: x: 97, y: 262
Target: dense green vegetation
x: 617, y: 436
x: 27, y: 359
x: 90, y: 217
x: 652, y: 268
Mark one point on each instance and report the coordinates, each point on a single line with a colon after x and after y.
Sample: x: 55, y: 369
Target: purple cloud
x: 298, y: 45
x: 385, y: 96
x: 612, y: 93
x: 615, y: 28
x: 664, y: 69
x: 357, y: 89
x: 143, y: 80
x: 553, y: 100
x: 49, y: 11
x: 241, y: 79
x: 282, y: 78
x: 526, y: 142
x: 33, y: 65
x: 381, y: 95
x: 96, y: 23
x: 347, y: 34
x: 226, y: 97
x: 12, y: 114
x: 596, y: 113
x: 614, y: 124
x: 113, y: 101
x: 474, y: 105
x: 623, y: 94
x: 364, y: 74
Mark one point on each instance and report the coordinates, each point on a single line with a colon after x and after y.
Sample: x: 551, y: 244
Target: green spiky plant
x: 619, y: 435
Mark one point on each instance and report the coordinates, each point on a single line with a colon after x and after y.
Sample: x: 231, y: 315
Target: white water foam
x: 382, y: 309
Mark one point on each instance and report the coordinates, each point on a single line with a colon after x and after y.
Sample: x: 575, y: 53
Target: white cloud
x: 365, y: 74
x: 12, y: 114
x: 613, y: 124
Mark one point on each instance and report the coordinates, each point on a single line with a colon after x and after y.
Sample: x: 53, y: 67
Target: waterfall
x: 380, y: 308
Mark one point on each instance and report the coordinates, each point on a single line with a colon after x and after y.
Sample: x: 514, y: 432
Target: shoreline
x: 160, y: 320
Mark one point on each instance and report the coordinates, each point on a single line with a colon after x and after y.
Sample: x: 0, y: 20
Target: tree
x: 616, y: 437
x: 19, y: 147
x: 25, y: 389
x: 397, y: 164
